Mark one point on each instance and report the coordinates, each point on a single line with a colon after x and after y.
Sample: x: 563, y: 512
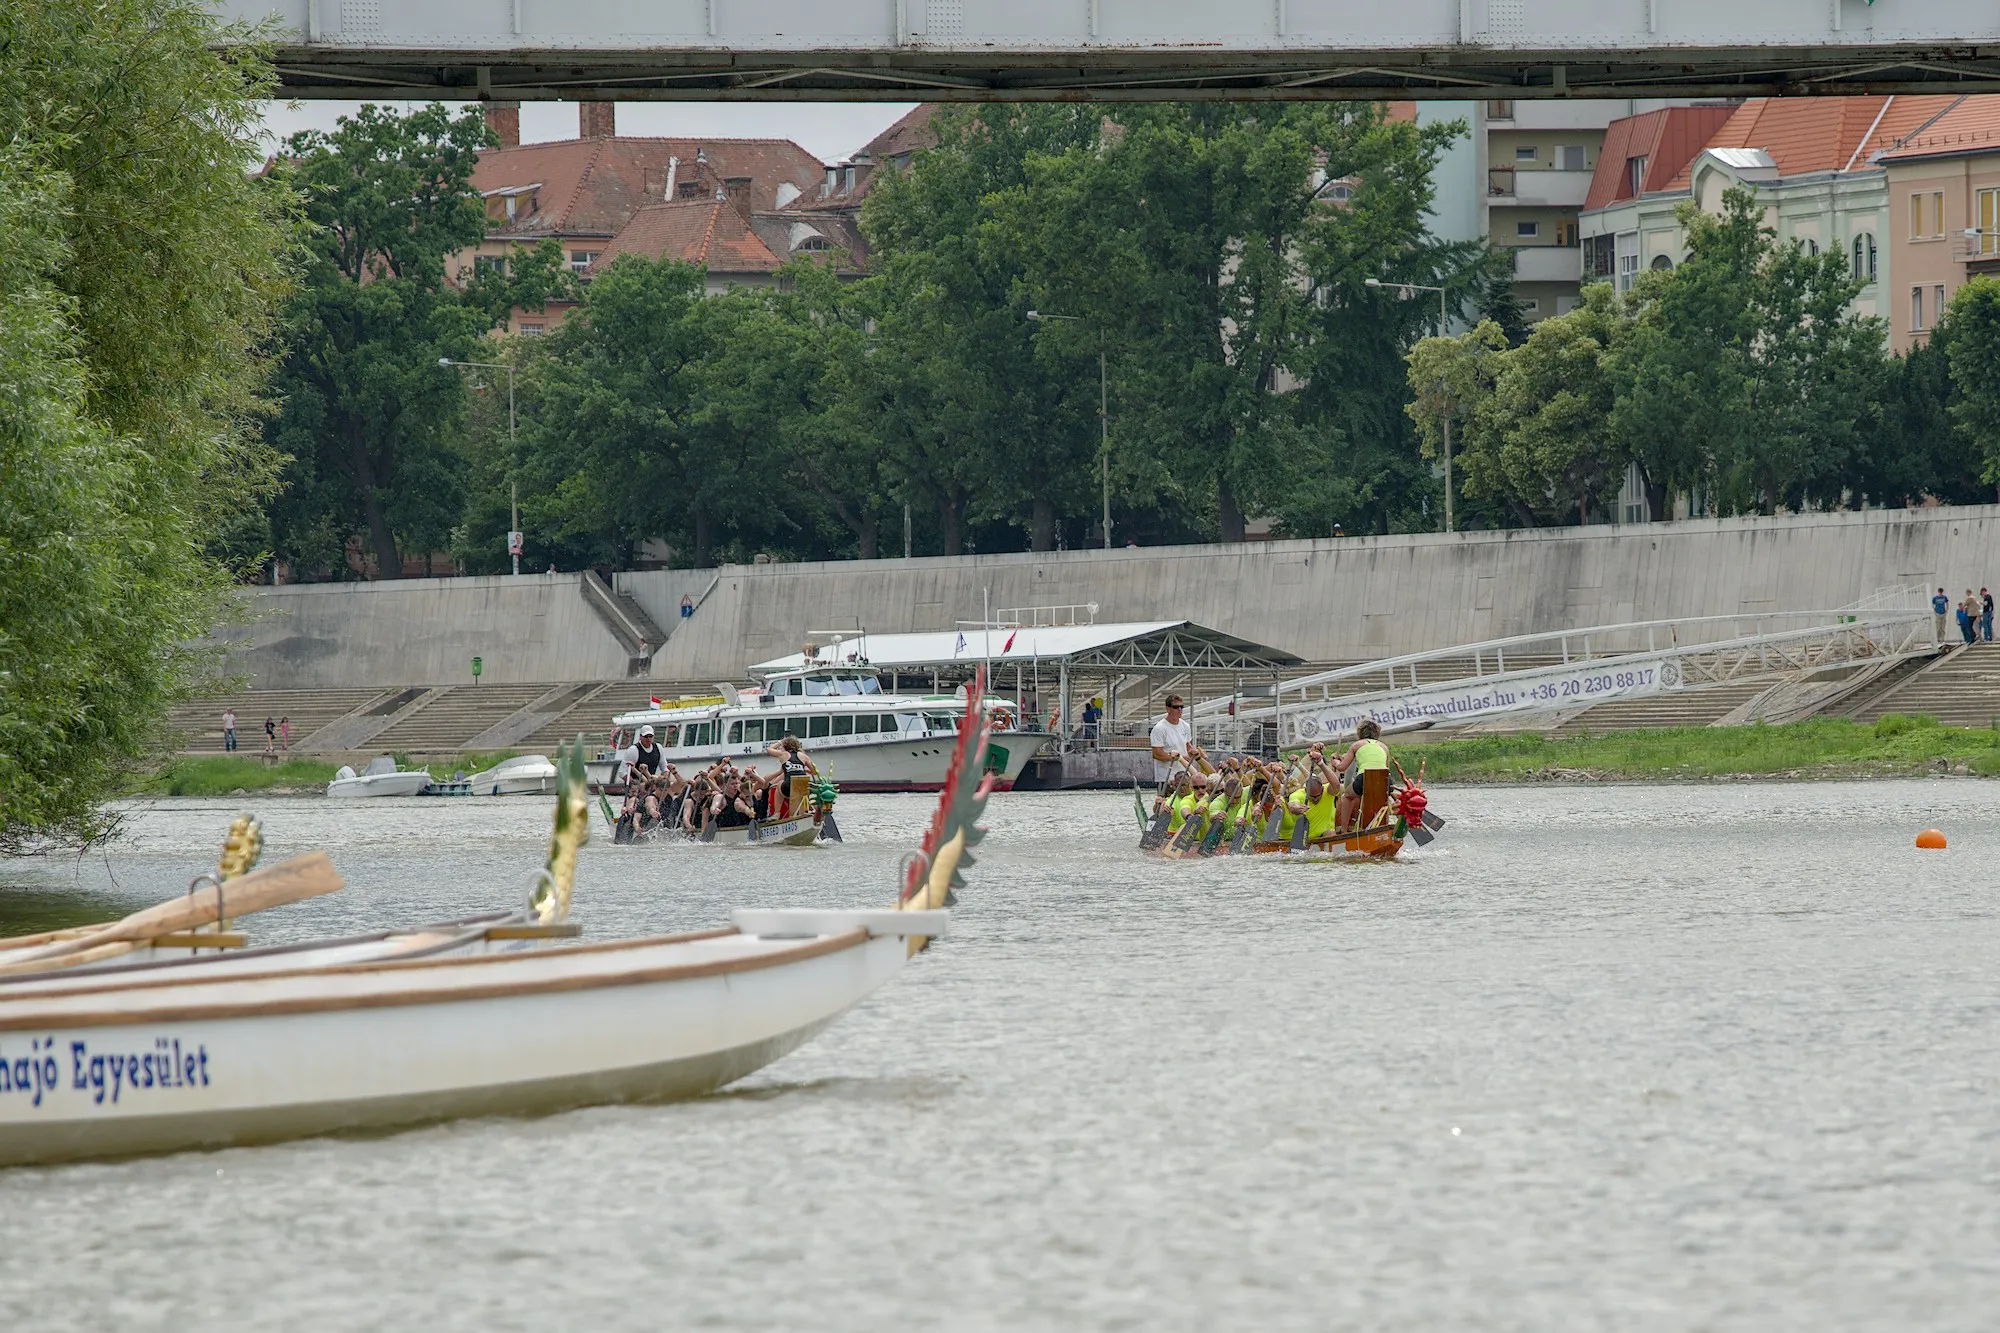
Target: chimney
x: 673, y: 171
x: 504, y: 119
x: 597, y: 120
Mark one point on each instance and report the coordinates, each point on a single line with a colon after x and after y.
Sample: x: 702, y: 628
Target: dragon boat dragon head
x: 932, y: 876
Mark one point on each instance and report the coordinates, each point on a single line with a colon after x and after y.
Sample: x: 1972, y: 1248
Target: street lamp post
x: 1103, y: 416
x: 513, y: 487
x: 1407, y: 289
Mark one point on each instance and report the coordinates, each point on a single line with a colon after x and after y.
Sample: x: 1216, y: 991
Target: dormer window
x: 813, y: 245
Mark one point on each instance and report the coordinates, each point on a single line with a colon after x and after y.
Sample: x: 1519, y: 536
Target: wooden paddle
x: 290, y: 881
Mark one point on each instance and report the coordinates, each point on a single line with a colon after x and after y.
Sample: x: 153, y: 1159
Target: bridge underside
x: 916, y: 73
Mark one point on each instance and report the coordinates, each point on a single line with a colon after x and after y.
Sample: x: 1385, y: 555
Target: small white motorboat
x: 523, y: 775
x: 382, y: 778
x: 165, y: 1058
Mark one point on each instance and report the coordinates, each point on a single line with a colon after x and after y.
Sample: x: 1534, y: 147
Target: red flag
x: 1008, y: 646
x: 657, y: 703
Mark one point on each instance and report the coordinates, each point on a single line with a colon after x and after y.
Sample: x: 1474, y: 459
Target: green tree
x: 1747, y: 371
x: 369, y: 417
x: 1971, y: 332
x: 138, y: 270
x: 987, y: 412
x: 1542, y: 441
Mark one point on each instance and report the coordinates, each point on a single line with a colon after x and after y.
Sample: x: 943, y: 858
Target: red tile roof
x: 1972, y: 125
x: 590, y: 187
x: 708, y: 232
x: 1805, y: 134
x: 1668, y: 139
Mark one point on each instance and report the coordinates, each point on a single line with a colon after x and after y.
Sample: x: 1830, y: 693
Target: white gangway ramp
x: 1573, y: 669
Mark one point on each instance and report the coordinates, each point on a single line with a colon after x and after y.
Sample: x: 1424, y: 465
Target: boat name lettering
x: 102, y: 1075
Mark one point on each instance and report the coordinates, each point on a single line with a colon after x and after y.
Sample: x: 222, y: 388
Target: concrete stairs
x: 1678, y: 708
x: 450, y: 717
x: 1959, y: 689
x: 199, y: 724
x: 626, y: 619
x: 591, y: 714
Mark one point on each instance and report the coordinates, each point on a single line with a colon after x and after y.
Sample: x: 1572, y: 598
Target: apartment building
x: 583, y: 192
x: 1816, y: 165
x: 1943, y: 186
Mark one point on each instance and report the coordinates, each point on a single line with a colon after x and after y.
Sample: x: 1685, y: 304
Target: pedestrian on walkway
x: 1986, y: 615
x: 285, y: 734
x: 1968, y: 613
x: 1940, y: 604
x: 270, y: 733
x: 228, y: 730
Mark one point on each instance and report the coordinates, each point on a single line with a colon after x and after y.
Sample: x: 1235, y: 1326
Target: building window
x: 1572, y: 157
x: 813, y: 245
x: 1527, y: 228
x: 1810, y: 246
x: 1532, y: 305
x: 1661, y: 264
x: 494, y: 264
x: 1864, y: 257
x: 1916, y: 216
x: 1989, y: 224
x: 531, y: 330
x: 1937, y: 212
x: 579, y: 260
x: 1628, y: 269
x: 1937, y: 303
x: 1525, y: 155
x: 1500, y: 110
x: 1566, y: 233
x: 689, y: 190
x: 1598, y: 261
x: 1635, y: 174
x: 1916, y: 310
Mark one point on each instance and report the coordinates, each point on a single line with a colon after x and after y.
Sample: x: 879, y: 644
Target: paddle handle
x: 301, y: 877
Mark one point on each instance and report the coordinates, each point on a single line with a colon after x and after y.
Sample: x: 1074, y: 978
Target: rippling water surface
x: 1683, y: 1057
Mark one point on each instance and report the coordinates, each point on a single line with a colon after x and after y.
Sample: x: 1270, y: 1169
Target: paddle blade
x: 1433, y: 821
x: 1422, y: 836
x: 1299, y: 834
x: 828, y: 830
x: 1157, y: 834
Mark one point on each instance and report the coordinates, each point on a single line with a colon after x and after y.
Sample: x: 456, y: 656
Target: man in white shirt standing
x: 1173, y: 738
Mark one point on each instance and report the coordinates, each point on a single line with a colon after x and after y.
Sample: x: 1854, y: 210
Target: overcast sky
x: 830, y: 131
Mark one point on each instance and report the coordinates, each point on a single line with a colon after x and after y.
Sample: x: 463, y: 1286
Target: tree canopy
x: 140, y: 268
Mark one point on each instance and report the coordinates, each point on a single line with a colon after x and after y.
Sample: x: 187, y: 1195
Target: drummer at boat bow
x: 1366, y: 753
x: 796, y: 770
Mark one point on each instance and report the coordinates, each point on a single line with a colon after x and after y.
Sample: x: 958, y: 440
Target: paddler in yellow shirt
x: 1321, y: 805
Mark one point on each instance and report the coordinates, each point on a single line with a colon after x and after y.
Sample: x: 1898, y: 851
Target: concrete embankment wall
x: 1361, y: 597
x: 1332, y: 600
x: 535, y: 627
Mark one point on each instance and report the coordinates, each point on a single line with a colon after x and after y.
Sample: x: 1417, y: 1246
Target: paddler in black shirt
x: 731, y: 808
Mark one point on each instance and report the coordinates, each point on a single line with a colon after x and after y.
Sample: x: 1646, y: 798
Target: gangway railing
x: 1565, y: 668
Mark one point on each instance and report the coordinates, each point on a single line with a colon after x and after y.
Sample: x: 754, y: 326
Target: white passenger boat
x: 209, y: 1055
x: 862, y: 738
x: 523, y: 775
x: 381, y: 778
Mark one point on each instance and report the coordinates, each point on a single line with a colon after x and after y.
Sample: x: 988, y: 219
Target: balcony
x: 1537, y: 188
x: 1548, y: 263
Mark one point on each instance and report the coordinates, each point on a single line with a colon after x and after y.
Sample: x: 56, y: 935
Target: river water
x: 1714, y: 1057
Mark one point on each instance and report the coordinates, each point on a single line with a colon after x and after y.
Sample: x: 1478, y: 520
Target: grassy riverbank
x: 222, y: 774
x: 226, y: 774
x: 1897, y: 746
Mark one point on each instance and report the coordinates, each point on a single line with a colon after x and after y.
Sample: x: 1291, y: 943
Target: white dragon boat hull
x: 214, y: 1057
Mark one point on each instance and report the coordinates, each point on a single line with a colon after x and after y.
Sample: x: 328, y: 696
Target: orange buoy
x: 1931, y: 840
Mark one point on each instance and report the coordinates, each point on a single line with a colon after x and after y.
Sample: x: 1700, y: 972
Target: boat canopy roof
x: 1138, y: 645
